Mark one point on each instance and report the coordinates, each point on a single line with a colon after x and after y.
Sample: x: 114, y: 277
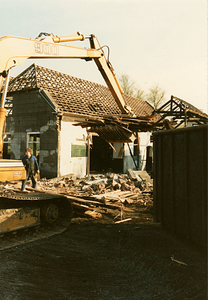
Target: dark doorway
x: 101, y: 157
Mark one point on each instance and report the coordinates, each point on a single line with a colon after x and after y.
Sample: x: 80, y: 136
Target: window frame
x: 29, y: 134
x: 8, y: 143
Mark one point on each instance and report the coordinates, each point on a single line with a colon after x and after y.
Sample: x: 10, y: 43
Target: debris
x: 144, y: 176
x: 99, y: 195
x: 122, y: 221
x: 177, y: 261
x: 133, y: 175
x: 92, y: 201
x: 93, y: 214
x: 84, y: 210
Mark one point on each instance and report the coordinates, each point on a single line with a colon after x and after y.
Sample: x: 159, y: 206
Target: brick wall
x: 31, y: 113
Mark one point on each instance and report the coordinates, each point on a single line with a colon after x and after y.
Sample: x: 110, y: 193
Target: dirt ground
x: 98, y: 259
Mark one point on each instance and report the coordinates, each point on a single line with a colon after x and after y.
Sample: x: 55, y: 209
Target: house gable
x: 32, y: 115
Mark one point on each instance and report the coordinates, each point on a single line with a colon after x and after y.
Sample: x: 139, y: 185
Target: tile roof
x: 74, y: 95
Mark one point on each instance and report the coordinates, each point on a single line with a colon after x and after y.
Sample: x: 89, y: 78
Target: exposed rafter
x: 179, y: 112
x: 74, y: 95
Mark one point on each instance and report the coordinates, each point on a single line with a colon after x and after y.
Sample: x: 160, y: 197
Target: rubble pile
x: 113, y: 196
x: 101, y: 195
x: 135, y: 181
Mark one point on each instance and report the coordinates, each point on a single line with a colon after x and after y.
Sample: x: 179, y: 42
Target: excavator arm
x: 14, y: 51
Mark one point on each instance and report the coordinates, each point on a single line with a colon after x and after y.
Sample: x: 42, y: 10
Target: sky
x: 154, y: 42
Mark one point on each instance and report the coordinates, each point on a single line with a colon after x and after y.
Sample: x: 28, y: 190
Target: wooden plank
x: 81, y: 206
x: 114, y: 194
x: 93, y: 214
x: 84, y: 210
x: 113, y: 206
x: 122, y: 221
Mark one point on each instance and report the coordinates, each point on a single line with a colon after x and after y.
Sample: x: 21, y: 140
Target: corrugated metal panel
x: 180, y: 181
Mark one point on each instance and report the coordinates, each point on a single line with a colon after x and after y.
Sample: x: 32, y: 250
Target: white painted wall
x: 128, y: 161
x: 71, y: 135
x: 144, y: 138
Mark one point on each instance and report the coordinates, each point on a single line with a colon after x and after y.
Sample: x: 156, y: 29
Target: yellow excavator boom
x: 14, y: 51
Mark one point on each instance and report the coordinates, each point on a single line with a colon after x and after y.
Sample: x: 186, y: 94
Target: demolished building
x: 43, y: 106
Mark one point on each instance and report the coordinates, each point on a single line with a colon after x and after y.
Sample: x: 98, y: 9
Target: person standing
x: 31, y: 166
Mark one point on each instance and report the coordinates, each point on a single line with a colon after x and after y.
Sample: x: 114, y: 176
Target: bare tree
x: 139, y: 94
x: 127, y: 84
x: 129, y: 87
x: 156, y: 96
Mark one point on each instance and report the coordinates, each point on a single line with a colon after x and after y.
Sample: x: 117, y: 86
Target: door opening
x: 102, y: 157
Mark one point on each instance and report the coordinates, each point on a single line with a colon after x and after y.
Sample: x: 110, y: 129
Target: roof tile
x: 73, y: 94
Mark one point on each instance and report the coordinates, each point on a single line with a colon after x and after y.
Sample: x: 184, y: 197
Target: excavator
x: 20, y: 211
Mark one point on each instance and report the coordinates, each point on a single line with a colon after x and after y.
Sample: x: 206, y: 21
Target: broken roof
x: 181, y: 112
x: 74, y: 95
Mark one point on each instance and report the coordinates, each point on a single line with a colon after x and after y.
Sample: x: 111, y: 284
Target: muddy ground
x: 99, y: 259
x: 94, y: 259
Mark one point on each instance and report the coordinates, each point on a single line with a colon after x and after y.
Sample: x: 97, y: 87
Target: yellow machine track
x: 28, y: 217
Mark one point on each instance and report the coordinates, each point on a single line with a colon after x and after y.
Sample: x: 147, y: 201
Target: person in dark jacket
x: 31, y: 166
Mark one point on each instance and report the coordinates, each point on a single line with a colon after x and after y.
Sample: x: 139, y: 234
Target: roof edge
x: 49, y: 99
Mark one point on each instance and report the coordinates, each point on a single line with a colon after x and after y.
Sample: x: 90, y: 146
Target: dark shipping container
x: 180, y: 169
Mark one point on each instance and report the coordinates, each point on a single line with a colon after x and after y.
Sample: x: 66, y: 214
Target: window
x: 9, y: 105
x: 33, y: 142
x: 7, y: 146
